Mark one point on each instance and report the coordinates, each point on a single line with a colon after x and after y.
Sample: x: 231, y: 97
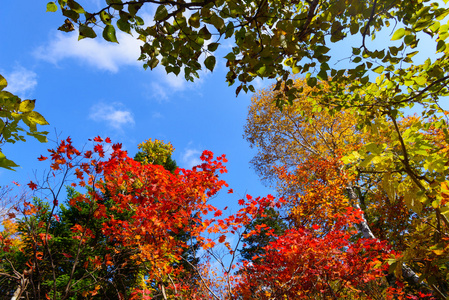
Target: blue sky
x: 91, y: 87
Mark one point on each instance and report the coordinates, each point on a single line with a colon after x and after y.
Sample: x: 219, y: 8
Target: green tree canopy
x: 274, y: 39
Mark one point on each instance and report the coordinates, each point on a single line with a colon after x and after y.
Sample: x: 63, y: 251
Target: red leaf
x: 41, y: 158
x: 88, y: 154
x: 108, y: 140
x: 98, y: 139
x: 222, y: 238
x: 32, y: 185
x: 230, y: 191
x: 117, y: 146
x: 99, y: 150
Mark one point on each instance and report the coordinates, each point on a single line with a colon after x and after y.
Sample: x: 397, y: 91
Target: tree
x: 12, y: 111
x: 274, y: 39
x: 120, y: 238
x: 253, y: 245
x: 324, y: 164
x: 306, y: 263
x: 156, y: 153
x: 159, y: 153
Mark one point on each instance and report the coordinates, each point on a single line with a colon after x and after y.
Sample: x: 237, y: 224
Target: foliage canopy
x: 13, y: 111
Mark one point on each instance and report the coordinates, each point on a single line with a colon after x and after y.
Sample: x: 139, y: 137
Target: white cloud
x: 176, y: 82
x: 259, y: 84
x: 112, y: 114
x: 191, y: 157
x: 21, y: 81
x: 157, y: 91
x: 167, y: 84
x: 95, y: 52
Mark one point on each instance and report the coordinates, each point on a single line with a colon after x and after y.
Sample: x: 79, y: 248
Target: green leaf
x: 153, y: 63
x: 373, y: 148
x: 87, y: 31
x: 322, y: 75
x: 52, y: 7
x: 109, y: 34
x: 379, y: 69
x: 441, y: 45
x: 209, y: 62
x: 398, y: 34
x: 354, y: 28
x: 27, y: 106
x: 217, y: 22
x: 212, y: 46
x: 75, y: 6
x: 6, y: 163
x: 312, y: 81
x: 421, y: 80
x: 139, y: 21
x: 261, y: 71
x: 229, y: 30
x: 194, y: 20
x: 40, y: 136
x: 36, y: 118
x: 230, y: 56
x: 161, y: 13
x: 3, y: 83
x: 296, y: 69
x: 124, y: 26
x: 133, y: 8
x: 322, y: 49
x: 105, y: 18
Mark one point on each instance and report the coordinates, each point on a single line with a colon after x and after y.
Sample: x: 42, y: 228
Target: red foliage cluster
x: 304, y: 261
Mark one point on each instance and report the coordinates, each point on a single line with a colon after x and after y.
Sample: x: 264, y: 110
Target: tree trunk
x: 364, y: 228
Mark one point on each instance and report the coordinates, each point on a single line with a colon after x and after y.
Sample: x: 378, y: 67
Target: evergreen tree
x: 254, y: 244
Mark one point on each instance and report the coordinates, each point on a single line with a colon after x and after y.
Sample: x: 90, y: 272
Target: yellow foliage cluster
x: 300, y: 131
x: 156, y: 150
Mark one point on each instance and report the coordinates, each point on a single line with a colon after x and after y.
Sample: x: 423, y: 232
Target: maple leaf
x: 222, y: 238
x: 98, y: 139
x: 117, y: 146
x: 42, y: 158
x: 99, y: 149
x: 32, y: 185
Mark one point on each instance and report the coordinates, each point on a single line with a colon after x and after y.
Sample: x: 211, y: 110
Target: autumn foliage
x: 131, y: 229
